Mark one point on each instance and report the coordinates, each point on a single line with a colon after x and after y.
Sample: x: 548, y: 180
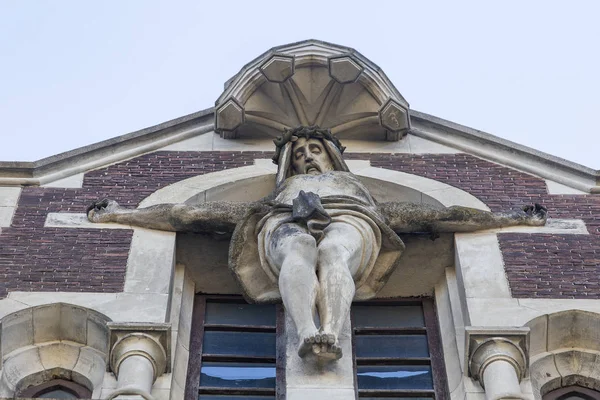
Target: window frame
x: 192, y: 387
x: 78, y: 390
x: 555, y: 394
x: 440, y: 389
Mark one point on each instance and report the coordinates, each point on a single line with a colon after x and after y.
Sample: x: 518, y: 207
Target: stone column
x: 498, y: 359
x: 139, y: 354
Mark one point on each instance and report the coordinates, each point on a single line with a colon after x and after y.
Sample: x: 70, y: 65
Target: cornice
x: 471, y: 141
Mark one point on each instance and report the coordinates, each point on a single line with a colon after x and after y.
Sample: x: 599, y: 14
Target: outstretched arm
x: 203, y: 218
x: 409, y: 217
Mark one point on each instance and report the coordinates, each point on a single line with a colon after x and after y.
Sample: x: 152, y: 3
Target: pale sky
x: 74, y: 73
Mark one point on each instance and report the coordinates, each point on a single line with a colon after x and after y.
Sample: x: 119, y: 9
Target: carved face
x: 310, y: 157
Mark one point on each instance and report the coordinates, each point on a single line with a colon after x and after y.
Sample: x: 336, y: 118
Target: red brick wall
x: 34, y: 258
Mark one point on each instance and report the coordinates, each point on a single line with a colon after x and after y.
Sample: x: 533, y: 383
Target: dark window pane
x: 240, y: 314
x: 237, y: 375
x: 239, y: 343
x: 400, y: 346
x: 575, y: 396
x: 394, y: 377
x: 392, y: 316
x: 57, y: 394
x: 238, y: 397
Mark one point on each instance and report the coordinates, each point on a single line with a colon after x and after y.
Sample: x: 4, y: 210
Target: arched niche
x: 564, y: 351
x: 206, y: 256
x: 53, y: 341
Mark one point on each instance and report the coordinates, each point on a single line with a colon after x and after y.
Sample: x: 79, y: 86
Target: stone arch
x: 51, y: 341
x: 384, y: 184
x: 564, y: 351
x: 413, y: 278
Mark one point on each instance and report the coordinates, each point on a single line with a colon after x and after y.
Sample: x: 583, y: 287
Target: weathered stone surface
x: 229, y: 116
x: 394, y: 117
x: 279, y: 68
x: 344, y: 69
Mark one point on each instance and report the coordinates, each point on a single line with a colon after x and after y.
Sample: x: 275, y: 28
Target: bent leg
x: 294, y: 252
x: 340, y: 254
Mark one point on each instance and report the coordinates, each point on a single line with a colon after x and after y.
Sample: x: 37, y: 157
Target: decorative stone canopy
x: 312, y: 83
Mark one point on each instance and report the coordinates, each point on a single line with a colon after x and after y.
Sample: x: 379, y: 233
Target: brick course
x: 34, y: 258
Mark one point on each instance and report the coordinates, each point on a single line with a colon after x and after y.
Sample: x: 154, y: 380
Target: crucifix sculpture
x: 319, y: 241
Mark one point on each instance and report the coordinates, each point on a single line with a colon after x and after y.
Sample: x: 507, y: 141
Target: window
x: 234, y: 350
x: 572, y: 393
x: 56, y: 389
x: 396, y: 350
x: 237, y: 350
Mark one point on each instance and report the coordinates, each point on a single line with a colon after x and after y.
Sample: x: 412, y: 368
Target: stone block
x: 6, y: 214
x: 21, y: 365
x: 480, y: 264
x: 17, y: 331
x: 9, y: 196
x: 229, y: 116
x: 539, y: 335
x: 97, y: 332
x: 344, y: 69
x: 394, y: 117
x: 320, y: 394
x: 311, y: 373
x: 73, y: 181
x: 59, y: 355
x: 91, y: 364
x: 46, y: 323
x: 160, y: 394
x: 573, y: 328
x: 278, y: 68
x: 181, y: 364
x: 135, y: 307
x: 151, y: 261
x: 8, y: 306
x: 177, y: 392
x: 73, y: 323
x: 586, y: 364
x: 185, y: 316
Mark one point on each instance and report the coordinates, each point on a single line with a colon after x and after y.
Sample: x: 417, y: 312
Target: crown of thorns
x: 308, y: 132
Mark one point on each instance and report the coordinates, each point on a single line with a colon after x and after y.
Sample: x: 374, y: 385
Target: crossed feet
x: 321, y: 344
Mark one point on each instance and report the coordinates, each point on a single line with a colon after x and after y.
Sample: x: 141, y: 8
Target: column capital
x: 485, y: 345
x: 151, y: 341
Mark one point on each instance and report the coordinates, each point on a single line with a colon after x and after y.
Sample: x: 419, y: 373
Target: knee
x: 300, y: 252
x: 332, y: 253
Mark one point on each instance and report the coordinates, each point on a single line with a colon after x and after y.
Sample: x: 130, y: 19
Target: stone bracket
x: 150, y: 340
x: 485, y: 345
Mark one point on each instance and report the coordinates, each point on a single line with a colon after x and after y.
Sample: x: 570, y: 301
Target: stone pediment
x: 312, y: 83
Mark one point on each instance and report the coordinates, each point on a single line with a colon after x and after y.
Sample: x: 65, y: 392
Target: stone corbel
x: 498, y: 358
x: 139, y: 353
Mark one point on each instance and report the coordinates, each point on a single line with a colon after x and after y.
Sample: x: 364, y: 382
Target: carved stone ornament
x: 498, y: 358
x: 139, y: 354
x: 320, y: 240
x: 312, y: 83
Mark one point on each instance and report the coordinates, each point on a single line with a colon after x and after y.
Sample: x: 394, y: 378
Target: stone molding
x: 309, y: 83
x: 487, y: 345
x: 53, y: 340
x: 151, y: 341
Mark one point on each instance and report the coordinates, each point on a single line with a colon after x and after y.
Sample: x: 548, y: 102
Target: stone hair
x: 308, y: 132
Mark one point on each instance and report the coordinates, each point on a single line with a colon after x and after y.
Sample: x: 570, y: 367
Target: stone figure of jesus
x: 319, y: 241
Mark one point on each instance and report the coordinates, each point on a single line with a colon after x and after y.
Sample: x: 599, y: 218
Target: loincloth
x: 258, y: 276
x: 367, y: 228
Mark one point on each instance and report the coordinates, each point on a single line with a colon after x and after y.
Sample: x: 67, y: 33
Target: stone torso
x: 329, y: 184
